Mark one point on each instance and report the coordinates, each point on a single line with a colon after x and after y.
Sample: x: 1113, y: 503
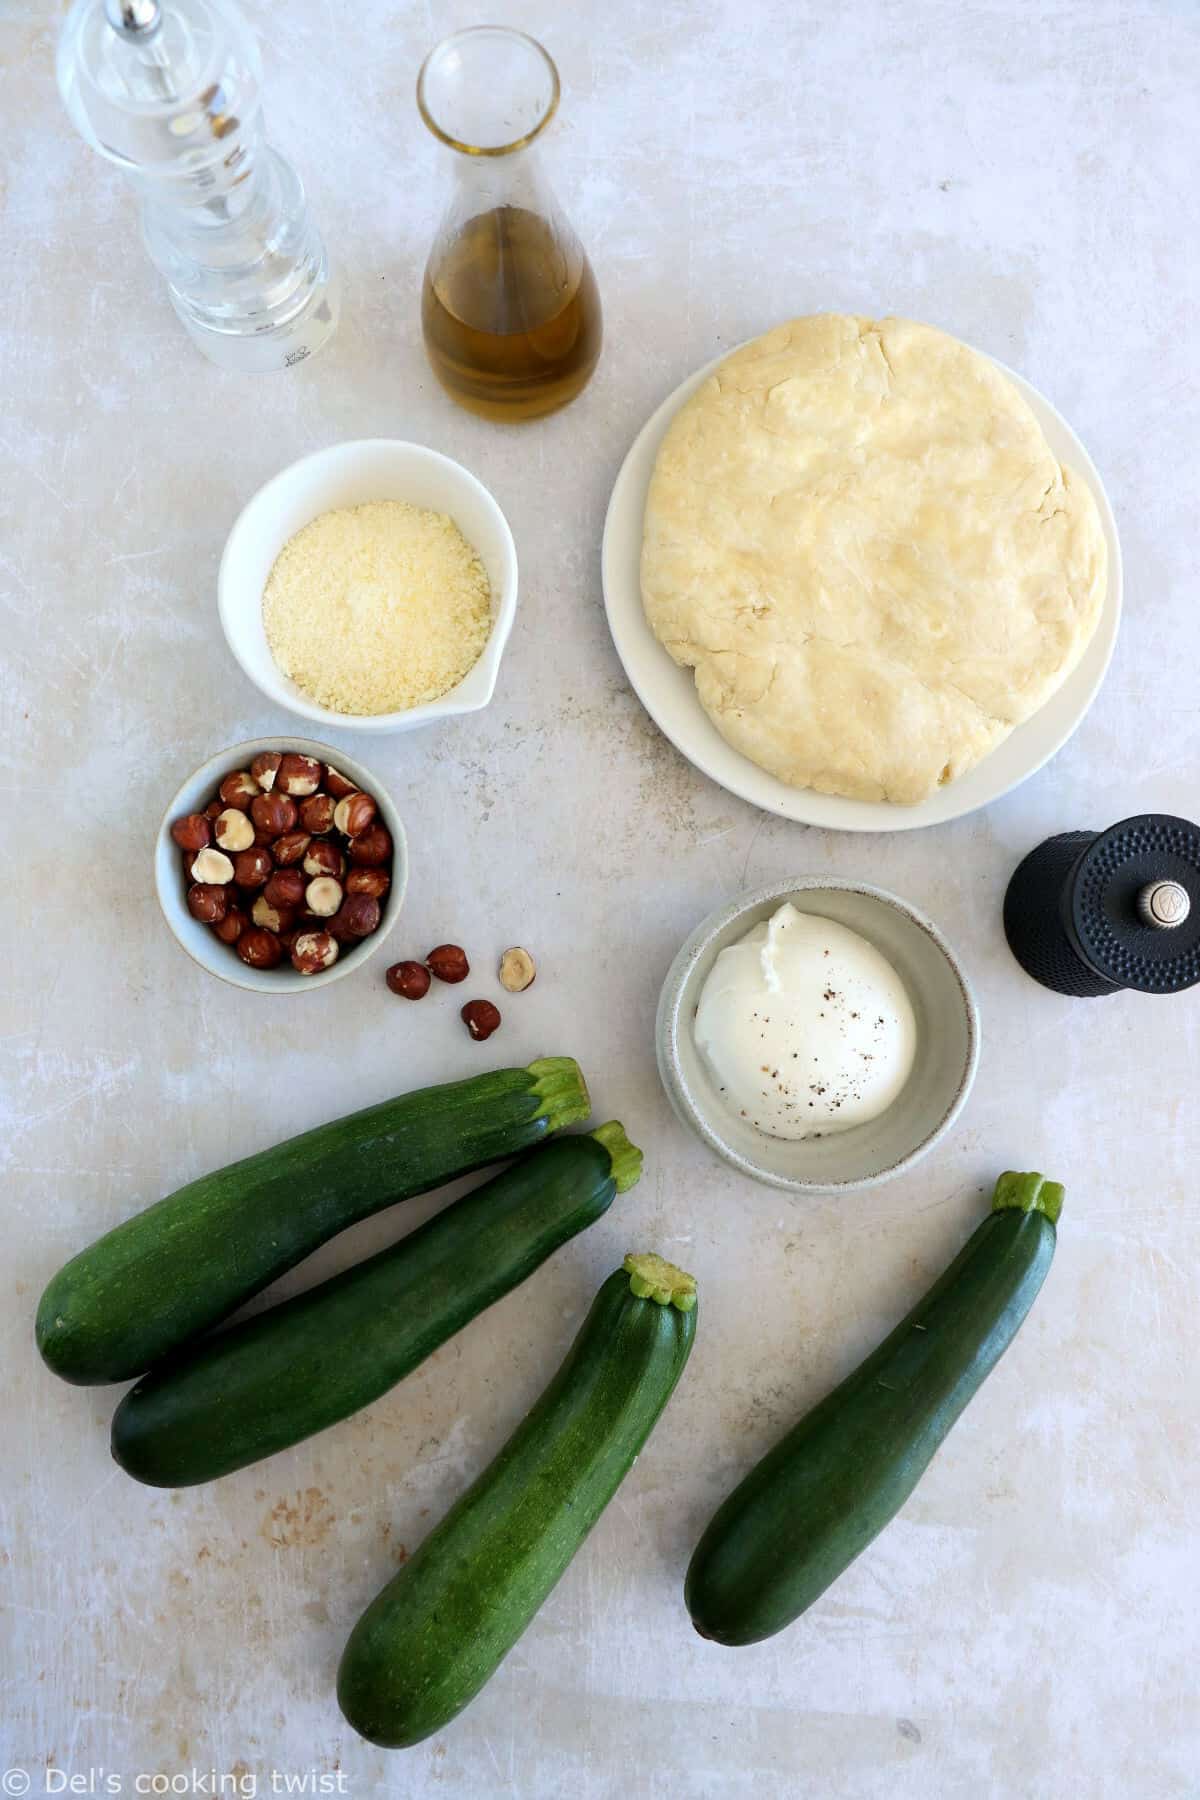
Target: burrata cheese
x: 805, y: 1027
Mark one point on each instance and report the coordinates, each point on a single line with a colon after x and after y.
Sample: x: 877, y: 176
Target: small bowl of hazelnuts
x: 281, y: 865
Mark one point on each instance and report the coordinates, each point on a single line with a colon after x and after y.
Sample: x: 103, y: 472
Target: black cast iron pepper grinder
x: 1091, y: 913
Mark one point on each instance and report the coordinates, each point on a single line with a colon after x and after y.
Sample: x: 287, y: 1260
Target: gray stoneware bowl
x: 947, y: 1042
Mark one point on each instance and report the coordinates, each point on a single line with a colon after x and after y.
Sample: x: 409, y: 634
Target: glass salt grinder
x: 170, y: 91
x: 510, y: 309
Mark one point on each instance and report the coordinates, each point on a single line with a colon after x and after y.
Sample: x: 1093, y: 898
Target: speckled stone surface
x: 1022, y: 175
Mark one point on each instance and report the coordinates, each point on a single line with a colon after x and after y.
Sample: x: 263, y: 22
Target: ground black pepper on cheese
x: 377, y: 608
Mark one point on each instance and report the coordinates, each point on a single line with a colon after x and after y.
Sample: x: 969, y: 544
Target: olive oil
x: 511, y: 315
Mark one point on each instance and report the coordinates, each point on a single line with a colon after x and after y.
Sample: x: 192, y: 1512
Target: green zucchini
x: 291, y: 1371
x: 190, y: 1260
x: 438, y: 1631
x: 816, y: 1500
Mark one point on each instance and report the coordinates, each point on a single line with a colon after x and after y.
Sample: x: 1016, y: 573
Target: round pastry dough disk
x: 859, y: 539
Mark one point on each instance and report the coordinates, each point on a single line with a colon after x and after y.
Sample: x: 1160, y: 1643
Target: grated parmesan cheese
x: 376, y: 608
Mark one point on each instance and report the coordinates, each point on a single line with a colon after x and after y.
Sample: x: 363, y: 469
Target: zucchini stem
x: 559, y: 1084
x: 1029, y: 1193
x: 625, y: 1157
x: 651, y: 1277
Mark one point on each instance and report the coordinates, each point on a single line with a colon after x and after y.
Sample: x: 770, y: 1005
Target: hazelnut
x: 323, y: 896
x: 448, y: 962
x: 375, y: 882
x: 238, y: 790
x: 252, y: 867
x: 517, y: 971
x: 373, y: 847
x: 233, y: 830
x: 316, y: 813
x: 272, y: 918
x: 480, y: 1018
x: 409, y: 979
x: 285, y: 888
x: 259, y: 949
x: 336, y: 783
x: 357, y: 917
x: 273, y: 813
x: 212, y: 867
x: 290, y: 848
x: 264, y: 769
x: 192, y: 832
x: 314, y: 951
x: 230, y: 928
x: 298, y: 775
x: 354, y: 814
x: 324, y: 858
x: 206, y: 903
x: 213, y: 811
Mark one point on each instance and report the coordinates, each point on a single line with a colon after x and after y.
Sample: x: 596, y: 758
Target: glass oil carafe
x: 509, y: 308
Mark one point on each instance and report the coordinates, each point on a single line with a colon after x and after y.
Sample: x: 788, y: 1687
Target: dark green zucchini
x: 190, y: 1260
x: 291, y: 1371
x: 816, y: 1500
x: 438, y: 1631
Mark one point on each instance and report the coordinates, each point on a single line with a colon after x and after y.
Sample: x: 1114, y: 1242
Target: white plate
x: 668, y: 692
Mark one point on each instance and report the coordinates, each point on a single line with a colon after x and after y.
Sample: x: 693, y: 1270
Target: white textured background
x: 1021, y: 173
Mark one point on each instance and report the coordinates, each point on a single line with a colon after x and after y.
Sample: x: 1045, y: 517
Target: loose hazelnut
x: 316, y: 813
x: 238, y: 790
x: 324, y: 858
x: 259, y: 949
x: 230, y: 928
x: 285, y: 888
x: 354, y: 814
x: 192, y: 832
x: 480, y: 1018
x: 517, y: 971
x: 336, y: 783
x: 298, y: 775
x: 375, y: 882
x: 314, y: 951
x: 290, y: 847
x: 264, y: 769
x: 208, y: 904
x: 409, y: 979
x: 233, y: 830
x: 212, y: 867
x: 252, y: 867
x: 272, y: 918
x: 372, y: 848
x: 273, y: 813
x: 357, y: 917
x: 449, y: 962
x: 213, y: 811
x: 323, y: 896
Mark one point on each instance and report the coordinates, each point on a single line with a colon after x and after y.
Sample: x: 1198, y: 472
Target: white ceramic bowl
x: 199, y: 942
x: 947, y: 1050
x: 348, y: 475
